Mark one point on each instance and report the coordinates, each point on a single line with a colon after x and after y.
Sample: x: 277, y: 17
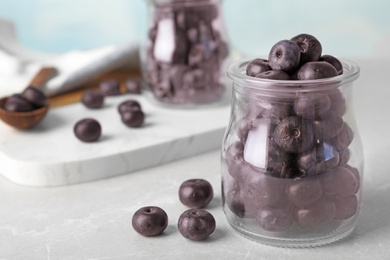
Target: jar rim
x: 236, y: 71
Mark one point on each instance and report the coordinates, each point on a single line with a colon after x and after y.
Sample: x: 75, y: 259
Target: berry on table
x: 92, y: 99
x: 87, y: 130
x: 196, y: 224
x: 150, y: 221
x: 196, y: 193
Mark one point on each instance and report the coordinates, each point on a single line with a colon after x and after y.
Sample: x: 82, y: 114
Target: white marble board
x: 50, y: 155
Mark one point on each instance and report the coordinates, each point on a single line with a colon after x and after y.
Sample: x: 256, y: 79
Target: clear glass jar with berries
x: 184, y: 54
x: 292, y: 158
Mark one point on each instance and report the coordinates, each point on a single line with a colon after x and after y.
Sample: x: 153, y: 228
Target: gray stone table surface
x: 93, y: 220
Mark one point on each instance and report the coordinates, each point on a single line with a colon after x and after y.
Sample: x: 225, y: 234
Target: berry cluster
x: 30, y: 99
x: 299, y: 58
x: 290, y: 161
x: 185, y: 53
x: 89, y: 129
x: 95, y: 98
x: 194, y: 224
x: 131, y: 113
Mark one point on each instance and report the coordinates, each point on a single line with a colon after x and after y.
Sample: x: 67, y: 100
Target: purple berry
x: 328, y: 126
x: 294, y: 135
x: 274, y: 219
x: 110, y: 87
x: 223, y: 50
x: 87, y: 130
x: 234, y: 159
x: 315, y: 214
x: 176, y: 73
x: 193, y: 35
x: 257, y: 66
x: 346, y: 207
x: 133, y: 86
x: 309, y: 46
x: 133, y: 118
x: 150, y: 221
x: 337, y: 103
x: 275, y: 111
x: 284, y: 55
x: 16, y: 103
x: 339, y: 182
x: 129, y: 105
x: 334, y: 62
x: 273, y: 74
x: 303, y: 192
x: 318, y: 160
x: 196, y: 55
x: 344, y: 138
x: 35, y: 96
x: 235, y: 203
x: 92, y: 99
x: 344, y: 157
x: 354, y: 171
x: 196, y: 224
x: 262, y: 190
x: 196, y: 193
x: 307, y: 163
x: 316, y: 70
x: 311, y: 106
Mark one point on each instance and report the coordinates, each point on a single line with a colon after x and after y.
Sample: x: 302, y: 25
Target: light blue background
x: 350, y: 28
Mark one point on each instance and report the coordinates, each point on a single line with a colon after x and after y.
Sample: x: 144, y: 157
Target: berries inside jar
x: 185, y: 52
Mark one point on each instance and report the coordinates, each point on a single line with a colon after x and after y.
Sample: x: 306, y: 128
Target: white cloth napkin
x: 18, y: 64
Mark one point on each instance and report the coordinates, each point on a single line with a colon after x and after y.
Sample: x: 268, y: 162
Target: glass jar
x: 292, y: 159
x: 183, y: 56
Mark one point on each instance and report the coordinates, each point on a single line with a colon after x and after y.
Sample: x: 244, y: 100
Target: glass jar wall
x: 292, y: 159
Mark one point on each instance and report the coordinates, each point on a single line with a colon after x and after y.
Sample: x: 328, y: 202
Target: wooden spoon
x: 25, y: 120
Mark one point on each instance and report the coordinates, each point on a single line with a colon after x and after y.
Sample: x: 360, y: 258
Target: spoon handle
x: 42, y: 76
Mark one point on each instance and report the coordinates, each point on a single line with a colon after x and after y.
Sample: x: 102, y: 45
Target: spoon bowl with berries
x: 26, y: 109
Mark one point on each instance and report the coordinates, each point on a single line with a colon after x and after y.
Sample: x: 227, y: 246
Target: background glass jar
x: 292, y: 159
x: 183, y: 56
